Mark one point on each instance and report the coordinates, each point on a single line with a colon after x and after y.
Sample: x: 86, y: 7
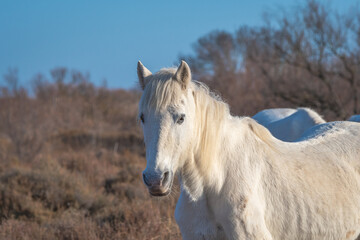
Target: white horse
x: 237, y: 180
x: 273, y: 114
x: 354, y: 118
x: 288, y: 124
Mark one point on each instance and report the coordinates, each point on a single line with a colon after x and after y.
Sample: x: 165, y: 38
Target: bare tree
x: 307, y: 56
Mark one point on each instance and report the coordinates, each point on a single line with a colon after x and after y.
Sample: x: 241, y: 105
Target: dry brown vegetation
x: 71, y: 154
x: 71, y: 159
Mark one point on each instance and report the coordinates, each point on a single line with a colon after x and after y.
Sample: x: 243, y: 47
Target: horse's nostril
x: 146, y: 181
x: 165, y: 178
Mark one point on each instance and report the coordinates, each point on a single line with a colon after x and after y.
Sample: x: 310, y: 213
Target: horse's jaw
x: 191, y: 181
x: 195, y: 191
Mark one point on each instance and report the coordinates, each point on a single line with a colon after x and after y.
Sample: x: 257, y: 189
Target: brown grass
x: 70, y: 167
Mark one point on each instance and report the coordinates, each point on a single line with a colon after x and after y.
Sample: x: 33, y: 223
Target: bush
x: 70, y: 166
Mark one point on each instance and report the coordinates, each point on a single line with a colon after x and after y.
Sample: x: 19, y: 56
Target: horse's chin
x: 160, y: 191
x: 160, y: 194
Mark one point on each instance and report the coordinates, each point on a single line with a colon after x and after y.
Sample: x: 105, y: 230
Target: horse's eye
x: 142, y: 118
x: 181, y: 119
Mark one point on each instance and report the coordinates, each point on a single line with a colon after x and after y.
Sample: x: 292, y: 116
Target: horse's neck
x: 237, y: 145
x: 204, y: 167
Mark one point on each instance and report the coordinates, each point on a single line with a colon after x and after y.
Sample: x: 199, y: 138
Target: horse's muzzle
x: 159, y: 186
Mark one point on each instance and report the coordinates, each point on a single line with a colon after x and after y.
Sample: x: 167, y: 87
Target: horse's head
x: 166, y: 112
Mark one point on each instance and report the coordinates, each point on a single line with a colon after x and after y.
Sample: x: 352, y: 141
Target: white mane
x: 159, y: 91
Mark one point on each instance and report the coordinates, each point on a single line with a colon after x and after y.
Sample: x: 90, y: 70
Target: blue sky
x: 107, y: 38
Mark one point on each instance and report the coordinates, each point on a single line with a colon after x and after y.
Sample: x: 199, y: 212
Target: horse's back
x: 274, y: 114
x: 341, y: 128
x: 293, y: 126
x: 341, y: 138
x: 319, y: 169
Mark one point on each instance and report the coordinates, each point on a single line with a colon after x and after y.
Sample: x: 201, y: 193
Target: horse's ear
x: 142, y: 72
x: 183, y: 74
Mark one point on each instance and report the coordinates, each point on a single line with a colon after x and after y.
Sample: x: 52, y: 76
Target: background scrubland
x: 71, y: 153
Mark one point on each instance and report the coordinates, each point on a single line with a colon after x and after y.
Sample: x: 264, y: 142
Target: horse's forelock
x: 160, y: 90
